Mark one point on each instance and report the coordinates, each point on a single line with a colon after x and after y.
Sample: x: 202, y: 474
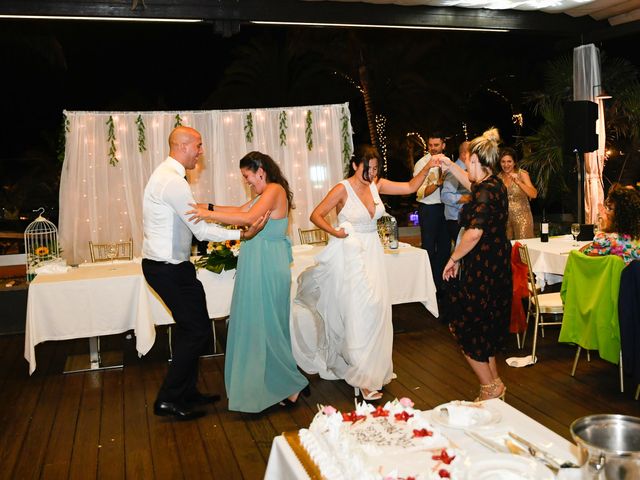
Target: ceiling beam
x: 243, y: 11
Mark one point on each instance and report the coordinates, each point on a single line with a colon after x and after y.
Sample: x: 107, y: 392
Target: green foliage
x: 248, y: 127
x: 178, y: 122
x: 308, y: 130
x: 546, y: 158
x: 345, y: 134
x: 142, y: 147
x: 111, y: 138
x: 62, y: 138
x: 283, y: 128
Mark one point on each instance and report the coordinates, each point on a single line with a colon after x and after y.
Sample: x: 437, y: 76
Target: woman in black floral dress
x: 482, y: 260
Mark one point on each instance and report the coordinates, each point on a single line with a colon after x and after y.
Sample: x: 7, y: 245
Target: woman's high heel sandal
x: 287, y: 402
x: 372, y: 395
x: 495, y: 389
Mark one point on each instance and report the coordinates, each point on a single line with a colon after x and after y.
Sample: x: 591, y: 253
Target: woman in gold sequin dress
x: 520, y: 191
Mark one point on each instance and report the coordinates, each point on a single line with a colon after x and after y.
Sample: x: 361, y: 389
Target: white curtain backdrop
x: 103, y: 203
x: 587, y: 84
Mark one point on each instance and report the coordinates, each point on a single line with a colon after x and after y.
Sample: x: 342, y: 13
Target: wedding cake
x: 394, y: 442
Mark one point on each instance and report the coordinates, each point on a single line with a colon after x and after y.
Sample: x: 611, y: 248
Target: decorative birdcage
x: 41, y: 244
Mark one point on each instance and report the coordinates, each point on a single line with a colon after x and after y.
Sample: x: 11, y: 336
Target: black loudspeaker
x: 580, y: 126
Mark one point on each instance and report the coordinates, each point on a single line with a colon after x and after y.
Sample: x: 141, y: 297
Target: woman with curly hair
x: 620, y: 226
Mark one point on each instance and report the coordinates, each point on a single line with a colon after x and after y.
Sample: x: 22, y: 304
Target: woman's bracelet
x: 454, y: 260
x: 211, y: 207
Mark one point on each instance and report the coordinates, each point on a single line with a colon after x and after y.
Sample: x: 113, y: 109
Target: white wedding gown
x: 341, y: 319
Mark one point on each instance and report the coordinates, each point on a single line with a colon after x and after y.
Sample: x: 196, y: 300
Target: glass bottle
x: 393, y: 232
x: 544, y: 229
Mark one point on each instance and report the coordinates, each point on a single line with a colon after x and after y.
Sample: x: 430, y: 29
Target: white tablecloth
x: 408, y: 274
x: 284, y: 464
x: 548, y: 259
x: 105, y: 299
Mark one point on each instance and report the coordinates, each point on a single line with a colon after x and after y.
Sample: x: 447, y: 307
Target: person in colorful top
x: 619, y: 226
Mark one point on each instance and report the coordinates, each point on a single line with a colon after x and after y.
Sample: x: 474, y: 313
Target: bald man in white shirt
x: 166, y: 251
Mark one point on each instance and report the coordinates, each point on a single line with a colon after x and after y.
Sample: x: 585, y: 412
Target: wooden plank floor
x: 101, y: 424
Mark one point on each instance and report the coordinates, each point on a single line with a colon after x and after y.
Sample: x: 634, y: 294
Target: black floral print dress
x: 481, y: 303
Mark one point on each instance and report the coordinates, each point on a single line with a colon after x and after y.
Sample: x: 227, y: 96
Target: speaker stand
x: 580, y: 169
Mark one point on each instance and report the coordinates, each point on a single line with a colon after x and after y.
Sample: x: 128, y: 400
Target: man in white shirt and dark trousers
x: 166, y: 265
x: 433, y: 229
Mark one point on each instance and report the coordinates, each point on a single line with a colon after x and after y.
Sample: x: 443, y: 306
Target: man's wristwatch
x: 211, y: 207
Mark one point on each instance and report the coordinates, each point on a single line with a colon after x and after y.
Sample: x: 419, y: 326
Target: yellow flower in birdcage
x: 42, y: 251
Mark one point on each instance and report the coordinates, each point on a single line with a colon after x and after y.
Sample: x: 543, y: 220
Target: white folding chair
x: 539, y: 304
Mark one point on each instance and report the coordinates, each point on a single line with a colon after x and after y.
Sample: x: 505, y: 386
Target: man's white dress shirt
x: 433, y: 198
x: 167, y: 229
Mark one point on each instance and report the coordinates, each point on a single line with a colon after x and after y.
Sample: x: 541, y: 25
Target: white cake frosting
x: 369, y: 446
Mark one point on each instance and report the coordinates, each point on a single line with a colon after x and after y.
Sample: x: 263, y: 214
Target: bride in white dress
x: 343, y: 299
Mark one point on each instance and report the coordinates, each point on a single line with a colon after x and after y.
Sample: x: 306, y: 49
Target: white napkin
x: 518, y: 362
x: 56, y: 266
x: 464, y: 416
x: 403, y: 244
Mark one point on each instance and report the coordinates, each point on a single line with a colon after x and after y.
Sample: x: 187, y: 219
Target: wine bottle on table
x: 544, y: 229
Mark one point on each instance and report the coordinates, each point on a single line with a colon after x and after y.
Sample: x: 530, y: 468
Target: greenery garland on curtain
x: 142, y: 147
x: 62, y: 138
x: 111, y: 138
x: 308, y: 130
x: 178, y: 121
x: 283, y: 128
x: 248, y: 128
x: 346, y: 135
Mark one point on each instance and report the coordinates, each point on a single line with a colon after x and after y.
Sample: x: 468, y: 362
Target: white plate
x: 500, y: 466
x: 471, y: 415
x: 305, y: 247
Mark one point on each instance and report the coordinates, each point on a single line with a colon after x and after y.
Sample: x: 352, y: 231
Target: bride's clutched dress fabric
x: 341, y: 320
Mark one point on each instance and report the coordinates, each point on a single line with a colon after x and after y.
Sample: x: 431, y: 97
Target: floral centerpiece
x: 220, y: 256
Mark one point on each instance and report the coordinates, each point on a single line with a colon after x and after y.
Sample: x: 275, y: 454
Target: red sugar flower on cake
x: 444, y: 457
x: 423, y: 432
x: 352, y: 417
x: 380, y: 412
x: 403, y: 417
x: 444, y: 473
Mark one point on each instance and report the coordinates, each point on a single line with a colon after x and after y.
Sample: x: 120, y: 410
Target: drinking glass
x: 575, y: 231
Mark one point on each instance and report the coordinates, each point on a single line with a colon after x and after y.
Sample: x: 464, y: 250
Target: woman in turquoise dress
x: 260, y: 370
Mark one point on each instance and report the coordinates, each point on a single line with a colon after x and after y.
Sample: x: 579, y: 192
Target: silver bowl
x: 609, y: 446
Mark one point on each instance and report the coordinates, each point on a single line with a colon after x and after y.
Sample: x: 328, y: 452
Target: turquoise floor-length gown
x: 259, y: 366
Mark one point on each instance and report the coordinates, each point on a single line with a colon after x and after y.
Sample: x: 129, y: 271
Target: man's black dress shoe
x: 164, y: 409
x: 201, y: 399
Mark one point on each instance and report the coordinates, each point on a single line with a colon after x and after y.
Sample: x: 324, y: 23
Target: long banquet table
x: 111, y: 298
x: 92, y: 301
x: 408, y: 274
x: 283, y: 463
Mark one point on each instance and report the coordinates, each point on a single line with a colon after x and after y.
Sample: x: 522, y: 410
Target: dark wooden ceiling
x: 228, y: 16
